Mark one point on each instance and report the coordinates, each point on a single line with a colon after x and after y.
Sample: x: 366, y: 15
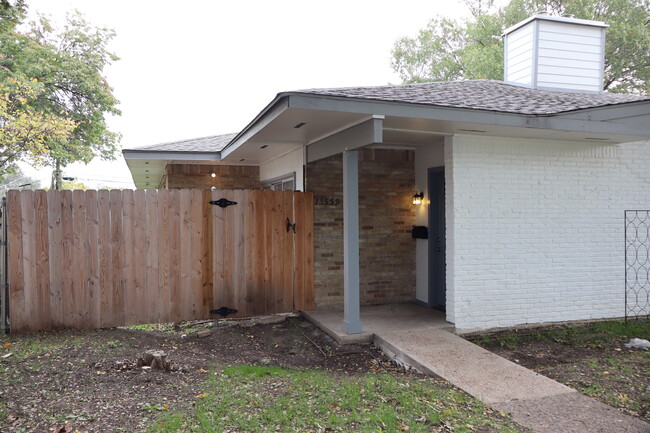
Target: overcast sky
x: 197, y: 68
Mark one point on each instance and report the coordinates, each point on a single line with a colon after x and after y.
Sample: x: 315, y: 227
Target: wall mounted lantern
x: 213, y: 174
x: 417, y: 197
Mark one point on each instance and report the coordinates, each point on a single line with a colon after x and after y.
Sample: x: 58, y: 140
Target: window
x: 284, y: 183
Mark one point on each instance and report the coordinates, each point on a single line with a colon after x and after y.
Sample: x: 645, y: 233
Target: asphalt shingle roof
x: 213, y: 143
x: 481, y: 95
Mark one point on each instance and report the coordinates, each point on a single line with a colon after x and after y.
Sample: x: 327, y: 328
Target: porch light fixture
x: 213, y: 174
x: 417, y: 197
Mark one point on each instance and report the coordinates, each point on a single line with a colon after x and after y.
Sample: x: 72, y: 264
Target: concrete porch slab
x: 378, y: 319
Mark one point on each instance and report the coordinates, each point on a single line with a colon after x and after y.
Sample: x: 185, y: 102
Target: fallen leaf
x: 7, y: 345
x: 7, y: 355
x: 202, y: 396
x: 605, y: 372
x: 200, y: 370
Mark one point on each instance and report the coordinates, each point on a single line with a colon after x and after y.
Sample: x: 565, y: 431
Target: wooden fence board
x: 140, y: 248
x: 308, y: 257
x: 269, y: 212
x: 239, y: 261
x: 41, y: 261
x: 92, y: 258
x: 218, y: 241
x: 253, y: 292
x: 299, y: 251
x: 15, y: 263
x: 128, y: 270
x: 206, y: 248
x: 229, y: 288
x: 89, y: 259
x: 186, y: 256
x: 175, y: 248
x: 117, y: 262
x: 55, y: 229
x: 105, y: 260
x: 196, y: 218
x: 67, y: 261
x: 78, y: 270
x: 164, y: 254
x: 288, y: 235
x: 152, y: 253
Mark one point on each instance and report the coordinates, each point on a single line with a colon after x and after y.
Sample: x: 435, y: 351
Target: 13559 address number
x: 326, y: 201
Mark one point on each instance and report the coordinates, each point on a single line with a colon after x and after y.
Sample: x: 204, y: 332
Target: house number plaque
x: 326, y: 201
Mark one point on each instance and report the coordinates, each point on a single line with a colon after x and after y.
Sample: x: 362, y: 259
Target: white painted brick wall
x: 535, y: 229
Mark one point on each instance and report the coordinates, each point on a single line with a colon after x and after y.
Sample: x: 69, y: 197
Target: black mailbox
x: 420, y: 232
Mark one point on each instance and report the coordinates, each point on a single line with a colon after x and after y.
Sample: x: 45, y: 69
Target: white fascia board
x: 557, y: 122
x: 612, y: 112
x: 179, y: 156
x: 266, y: 116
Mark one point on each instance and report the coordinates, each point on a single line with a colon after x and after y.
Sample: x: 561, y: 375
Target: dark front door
x: 437, y: 244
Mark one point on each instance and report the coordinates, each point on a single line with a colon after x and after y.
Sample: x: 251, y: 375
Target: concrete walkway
x: 415, y: 337
x: 533, y: 400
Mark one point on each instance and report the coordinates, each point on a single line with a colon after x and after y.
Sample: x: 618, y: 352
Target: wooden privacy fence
x: 93, y: 259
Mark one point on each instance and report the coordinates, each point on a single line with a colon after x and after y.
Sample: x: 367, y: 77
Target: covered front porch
x: 378, y: 319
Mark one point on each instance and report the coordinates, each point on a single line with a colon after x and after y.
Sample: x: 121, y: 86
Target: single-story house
x: 523, y: 183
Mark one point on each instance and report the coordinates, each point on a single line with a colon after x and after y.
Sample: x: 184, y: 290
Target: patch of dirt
x: 609, y: 372
x: 89, y: 381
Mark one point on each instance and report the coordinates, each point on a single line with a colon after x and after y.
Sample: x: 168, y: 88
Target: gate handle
x: 290, y: 226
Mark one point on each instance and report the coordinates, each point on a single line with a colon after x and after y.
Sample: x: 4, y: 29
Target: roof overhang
x: 298, y: 119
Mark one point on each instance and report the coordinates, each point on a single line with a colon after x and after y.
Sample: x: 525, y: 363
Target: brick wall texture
x: 386, y: 215
x: 199, y: 176
x: 535, y: 229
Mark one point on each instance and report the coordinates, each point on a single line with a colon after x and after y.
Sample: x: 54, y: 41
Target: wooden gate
x: 93, y: 259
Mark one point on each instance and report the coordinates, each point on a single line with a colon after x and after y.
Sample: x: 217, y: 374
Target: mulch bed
x: 90, y: 381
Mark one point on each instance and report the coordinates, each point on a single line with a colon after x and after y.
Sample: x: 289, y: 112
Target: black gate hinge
x: 223, y: 202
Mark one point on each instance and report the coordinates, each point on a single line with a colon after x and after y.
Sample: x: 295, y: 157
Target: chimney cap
x: 543, y: 15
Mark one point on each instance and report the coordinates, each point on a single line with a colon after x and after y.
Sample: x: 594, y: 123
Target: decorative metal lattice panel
x: 637, y: 263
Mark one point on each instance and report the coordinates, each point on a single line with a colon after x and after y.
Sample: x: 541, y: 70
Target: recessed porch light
x: 213, y: 174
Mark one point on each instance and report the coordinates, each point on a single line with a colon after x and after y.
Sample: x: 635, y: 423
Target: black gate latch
x: 223, y: 202
x: 290, y: 226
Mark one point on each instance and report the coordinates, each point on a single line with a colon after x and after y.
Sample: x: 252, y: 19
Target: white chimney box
x: 556, y: 53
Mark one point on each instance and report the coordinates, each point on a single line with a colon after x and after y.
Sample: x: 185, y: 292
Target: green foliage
x: 63, y: 69
x: 448, y: 50
x: 26, y: 131
x: 270, y: 399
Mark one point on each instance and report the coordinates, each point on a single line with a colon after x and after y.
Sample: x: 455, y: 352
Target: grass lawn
x: 270, y: 399
x: 591, y: 358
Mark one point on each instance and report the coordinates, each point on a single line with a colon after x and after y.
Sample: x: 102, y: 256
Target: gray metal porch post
x: 351, y: 306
